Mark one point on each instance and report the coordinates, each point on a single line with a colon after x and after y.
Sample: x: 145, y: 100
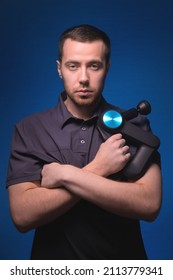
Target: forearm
x: 32, y: 206
x: 139, y: 200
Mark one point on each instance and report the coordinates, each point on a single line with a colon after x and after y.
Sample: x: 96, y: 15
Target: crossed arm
x: 62, y: 186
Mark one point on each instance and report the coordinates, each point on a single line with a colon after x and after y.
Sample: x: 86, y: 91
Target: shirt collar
x: 65, y: 116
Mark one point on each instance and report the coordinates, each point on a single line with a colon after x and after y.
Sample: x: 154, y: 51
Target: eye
x: 72, y: 66
x: 95, y: 66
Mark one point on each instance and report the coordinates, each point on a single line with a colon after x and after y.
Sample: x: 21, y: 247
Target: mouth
x: 84, y: 91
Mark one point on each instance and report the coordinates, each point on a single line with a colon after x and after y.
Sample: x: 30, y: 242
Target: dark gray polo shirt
x: 85, y: 231
x: 49, y: 136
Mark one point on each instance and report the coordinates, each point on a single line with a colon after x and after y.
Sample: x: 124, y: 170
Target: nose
x: 84, y: 78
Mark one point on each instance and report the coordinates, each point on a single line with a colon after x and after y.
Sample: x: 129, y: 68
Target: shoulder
x: 38, y: 120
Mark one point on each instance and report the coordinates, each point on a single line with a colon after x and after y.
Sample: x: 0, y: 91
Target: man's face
x: 83, y: 69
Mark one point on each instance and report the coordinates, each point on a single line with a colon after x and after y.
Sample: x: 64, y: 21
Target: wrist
x: 67, y: 173
x: 63, y: 174
x: 95, y: 168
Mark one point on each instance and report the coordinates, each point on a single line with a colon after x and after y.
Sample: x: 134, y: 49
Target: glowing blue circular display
x: 112, y: 119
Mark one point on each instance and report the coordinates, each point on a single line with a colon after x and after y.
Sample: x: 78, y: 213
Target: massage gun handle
x: 139, y: 164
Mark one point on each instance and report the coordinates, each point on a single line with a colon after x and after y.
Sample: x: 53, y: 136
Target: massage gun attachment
x: 112, y: 122
x: 143, y: 108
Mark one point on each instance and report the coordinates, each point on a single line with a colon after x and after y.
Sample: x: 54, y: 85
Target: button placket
x: 83, y: 135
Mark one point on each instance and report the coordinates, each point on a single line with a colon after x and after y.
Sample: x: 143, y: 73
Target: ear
x: 59, y: 68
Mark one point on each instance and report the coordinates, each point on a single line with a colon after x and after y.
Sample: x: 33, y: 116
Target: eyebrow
x: 72, y: 61
x: 95, y: 61
x: 89, y: 62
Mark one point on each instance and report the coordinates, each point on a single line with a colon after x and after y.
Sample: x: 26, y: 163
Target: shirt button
x: 82, y: 141
x: 83, y: 128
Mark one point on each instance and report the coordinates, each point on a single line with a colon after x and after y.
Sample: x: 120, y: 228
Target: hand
x: 51, y: 175
x: 111, y: 157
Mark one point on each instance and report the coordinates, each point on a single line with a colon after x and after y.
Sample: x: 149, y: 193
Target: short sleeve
x: 23, y: 164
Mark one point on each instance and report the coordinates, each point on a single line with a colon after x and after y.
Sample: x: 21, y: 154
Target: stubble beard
x: 86, y: 102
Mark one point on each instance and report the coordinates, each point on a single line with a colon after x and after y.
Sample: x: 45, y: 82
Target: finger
x: 127, y: 157
x: 122, y: 143
x: 125, y: 149
x: 116, y: 136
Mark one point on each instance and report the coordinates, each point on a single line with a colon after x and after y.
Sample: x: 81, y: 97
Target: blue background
x: 141, y: 32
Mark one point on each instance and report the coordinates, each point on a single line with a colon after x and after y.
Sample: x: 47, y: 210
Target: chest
x: 75, y: 144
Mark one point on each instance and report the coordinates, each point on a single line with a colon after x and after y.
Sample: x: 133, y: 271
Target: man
x: 59, y: 171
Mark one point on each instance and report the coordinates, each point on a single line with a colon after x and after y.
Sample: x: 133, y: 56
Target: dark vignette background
x: 141, y: 32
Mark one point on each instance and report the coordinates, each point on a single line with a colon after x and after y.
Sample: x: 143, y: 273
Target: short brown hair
x: 84, y: 33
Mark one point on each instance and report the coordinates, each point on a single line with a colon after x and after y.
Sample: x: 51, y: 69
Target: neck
x: 84, y: 112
